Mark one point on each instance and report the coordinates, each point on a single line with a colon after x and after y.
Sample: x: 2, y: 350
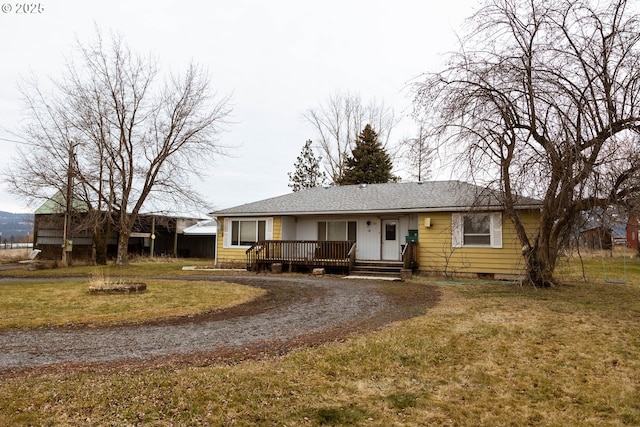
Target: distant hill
x: 15, y: 225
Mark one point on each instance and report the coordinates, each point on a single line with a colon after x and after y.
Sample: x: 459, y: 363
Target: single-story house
x: 448, y: 227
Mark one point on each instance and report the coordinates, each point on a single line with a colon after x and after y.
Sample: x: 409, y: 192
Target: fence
x: 14, y: 245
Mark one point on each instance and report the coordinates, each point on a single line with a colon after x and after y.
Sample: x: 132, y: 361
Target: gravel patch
x: 296, y: 312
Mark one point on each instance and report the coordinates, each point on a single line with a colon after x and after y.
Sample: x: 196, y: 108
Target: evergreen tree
x: 307, y: 172
x: 369, y: 163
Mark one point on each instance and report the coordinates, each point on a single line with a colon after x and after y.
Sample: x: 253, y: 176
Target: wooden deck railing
x: 410, y: 256
x: 303, y: 253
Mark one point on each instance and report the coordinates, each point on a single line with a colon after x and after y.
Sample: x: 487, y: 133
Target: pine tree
x: 369, y: 163
x: 307, y: 172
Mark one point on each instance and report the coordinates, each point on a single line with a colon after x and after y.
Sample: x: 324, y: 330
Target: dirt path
x: 296, y: 312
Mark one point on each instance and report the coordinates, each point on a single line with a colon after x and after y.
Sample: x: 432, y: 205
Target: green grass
x: 489, y: 354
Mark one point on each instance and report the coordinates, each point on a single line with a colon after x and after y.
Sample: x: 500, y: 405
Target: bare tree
x: 543, y: 100
x: 339, y: 121
x: 418, y: 152
x: 129, y: 136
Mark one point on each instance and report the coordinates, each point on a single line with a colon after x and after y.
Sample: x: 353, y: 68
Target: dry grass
x: 13, y: 255
x: 141, y: 267
x: 488, y: 354
x: 68, y: 302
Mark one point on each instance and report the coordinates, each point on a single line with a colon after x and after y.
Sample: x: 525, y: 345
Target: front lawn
x: 59, y: 302
x: 489, y: 354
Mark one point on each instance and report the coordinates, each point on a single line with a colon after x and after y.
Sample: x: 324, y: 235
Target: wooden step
x: 377, y: 269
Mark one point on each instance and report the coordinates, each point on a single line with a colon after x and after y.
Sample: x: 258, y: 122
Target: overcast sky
x: 276, y: 58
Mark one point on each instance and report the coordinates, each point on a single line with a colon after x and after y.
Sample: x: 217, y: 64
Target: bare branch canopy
x: 130, y: 136
x: 543, y: 99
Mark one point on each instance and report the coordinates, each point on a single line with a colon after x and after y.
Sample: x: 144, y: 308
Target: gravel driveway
x: 296, y: 311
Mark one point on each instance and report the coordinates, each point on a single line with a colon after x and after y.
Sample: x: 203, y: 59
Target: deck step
x: 387, y: 269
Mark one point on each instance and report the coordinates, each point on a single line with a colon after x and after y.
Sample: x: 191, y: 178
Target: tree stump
x: 118, y: 288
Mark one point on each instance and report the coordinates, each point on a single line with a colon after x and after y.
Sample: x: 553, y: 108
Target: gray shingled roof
x: 375, y: 198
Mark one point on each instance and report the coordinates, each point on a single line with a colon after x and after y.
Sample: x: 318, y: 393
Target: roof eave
x: 372, y: 212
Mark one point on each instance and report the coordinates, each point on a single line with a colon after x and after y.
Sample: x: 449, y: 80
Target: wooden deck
x: 301, y: 253
x: 309, y: 254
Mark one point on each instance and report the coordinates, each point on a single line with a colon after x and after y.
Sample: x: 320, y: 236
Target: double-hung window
x: 476, y: 230
x: 245, y: 232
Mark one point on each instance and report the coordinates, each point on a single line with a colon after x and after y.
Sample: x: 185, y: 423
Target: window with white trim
x: 476, y: 230
x: 245, y: 232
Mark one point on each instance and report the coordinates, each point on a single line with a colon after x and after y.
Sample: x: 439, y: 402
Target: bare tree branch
x: 339, y: 121
x: 540, y: 101
x: 136, y: 138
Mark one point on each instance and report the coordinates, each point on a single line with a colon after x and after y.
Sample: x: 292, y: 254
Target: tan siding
x: 437, y: 255
x: 277, y: 228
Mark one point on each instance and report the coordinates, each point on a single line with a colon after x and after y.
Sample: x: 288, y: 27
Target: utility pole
x: 153, y: 236
x: 64, y: 262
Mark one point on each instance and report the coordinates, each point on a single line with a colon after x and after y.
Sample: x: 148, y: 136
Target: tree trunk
x: 123, y: 248
x: 100, y: 248
x: 539, y: 266
x: 540, y: 252
x: 101, y: 236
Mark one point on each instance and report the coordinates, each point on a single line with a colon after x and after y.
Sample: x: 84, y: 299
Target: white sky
x: 277, y: 58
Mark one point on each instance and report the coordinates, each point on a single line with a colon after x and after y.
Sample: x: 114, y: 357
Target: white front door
x: 390, y: 241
